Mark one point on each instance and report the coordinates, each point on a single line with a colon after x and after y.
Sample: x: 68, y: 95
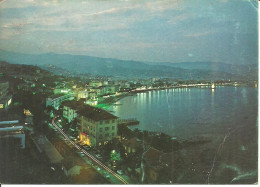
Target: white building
x: 5, y: 96
x: 81, y: 95
x: 95, y: 83
x: 56, y: 100
x: 70, y: 110
x: 12, y: 129
x: 95, y: 126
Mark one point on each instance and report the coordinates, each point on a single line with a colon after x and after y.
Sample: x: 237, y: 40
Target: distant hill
x: 80, y: 64
x: 247, y: 70
x: 18, y: 70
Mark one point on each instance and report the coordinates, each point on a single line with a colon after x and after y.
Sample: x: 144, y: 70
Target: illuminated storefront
x: 84, y: 139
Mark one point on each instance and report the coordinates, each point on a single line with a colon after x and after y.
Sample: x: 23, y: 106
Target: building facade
x: 95, y: 126
x: 56, y: 100
x: 94, y: 132
x: 5, y: 96
x: 95, y: 83
x: 69, y: 113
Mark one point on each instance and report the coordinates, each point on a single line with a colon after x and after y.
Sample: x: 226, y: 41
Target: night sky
x: 144, y: 30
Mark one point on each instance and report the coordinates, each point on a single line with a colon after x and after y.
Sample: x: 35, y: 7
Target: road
x: 90, y: 157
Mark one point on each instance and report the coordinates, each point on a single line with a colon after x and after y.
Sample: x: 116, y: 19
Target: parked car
x: 82, y: 154
x: 120, y: 172
x: 98, y: 156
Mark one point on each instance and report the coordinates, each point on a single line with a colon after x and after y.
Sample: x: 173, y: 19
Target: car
x: 99, y: 156
x: 120, y: 172
x: 107, y: 176
x: 85, y: 146
x: 98, y: 169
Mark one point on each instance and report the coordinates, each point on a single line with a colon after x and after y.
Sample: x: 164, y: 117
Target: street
x: 113, y: 177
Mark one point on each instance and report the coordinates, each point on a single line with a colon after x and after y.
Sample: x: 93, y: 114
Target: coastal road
x: 92, y: 158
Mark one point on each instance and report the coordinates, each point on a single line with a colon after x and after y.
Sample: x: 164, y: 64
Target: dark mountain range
x: 250, y: 69
x: 21, y: 70
x: 79, y: 64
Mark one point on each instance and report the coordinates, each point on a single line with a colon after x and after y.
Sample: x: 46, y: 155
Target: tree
x: 114, y: 156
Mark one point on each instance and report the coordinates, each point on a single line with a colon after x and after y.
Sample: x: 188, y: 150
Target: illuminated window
x: 1, y: 106
x: 9, y: 102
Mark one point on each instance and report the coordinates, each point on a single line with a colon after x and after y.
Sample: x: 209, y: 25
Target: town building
x: 12, y: 129
x: 132, y: 145
x: 70, y: 110
x: 98, y: 91
x: 56, y: 100
x: 162, y: 167
x: 46, y: 148
x: 28, y: 117
x: 105, y: 83
x: 152, y: 165
x: 108, y: 90
x: 81, y: 94
x: 5, y: 96
x: 96, y: 126
x: 95, y: 83
x: 61, y: 90
x: 92, y: 102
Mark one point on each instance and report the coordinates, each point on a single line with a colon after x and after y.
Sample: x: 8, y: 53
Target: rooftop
x: 58, y: 95
x: 133, y: 142
x: 88, y: 111
x: 152, y: 156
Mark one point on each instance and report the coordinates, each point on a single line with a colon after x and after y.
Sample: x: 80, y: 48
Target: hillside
x: 79, y: 64
x: 247, y: 70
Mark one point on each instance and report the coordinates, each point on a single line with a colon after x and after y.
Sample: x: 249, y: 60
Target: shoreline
x: 112, y: 100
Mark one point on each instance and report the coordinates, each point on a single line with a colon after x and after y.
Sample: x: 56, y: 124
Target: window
x: 113, y: 121
x: 107, y: 128
x: 113, y: 127
x: 107, y: 121
x: 100, y: 130
x: 113, y: 134
x: 101, y: 122
x: 107, y: 135
x: 101, y: 137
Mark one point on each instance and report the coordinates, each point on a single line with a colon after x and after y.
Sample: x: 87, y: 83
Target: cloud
x: 161, y: 6
x: 121, y: 28
x: 199, y: 34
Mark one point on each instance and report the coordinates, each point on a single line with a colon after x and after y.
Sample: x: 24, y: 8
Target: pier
x: 129, y: 121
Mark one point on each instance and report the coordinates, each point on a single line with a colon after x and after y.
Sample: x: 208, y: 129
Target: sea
x: 188, y: 112
x: 227, y: 116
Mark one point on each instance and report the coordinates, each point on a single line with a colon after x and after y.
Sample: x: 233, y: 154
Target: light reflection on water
x: 191, y: 111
